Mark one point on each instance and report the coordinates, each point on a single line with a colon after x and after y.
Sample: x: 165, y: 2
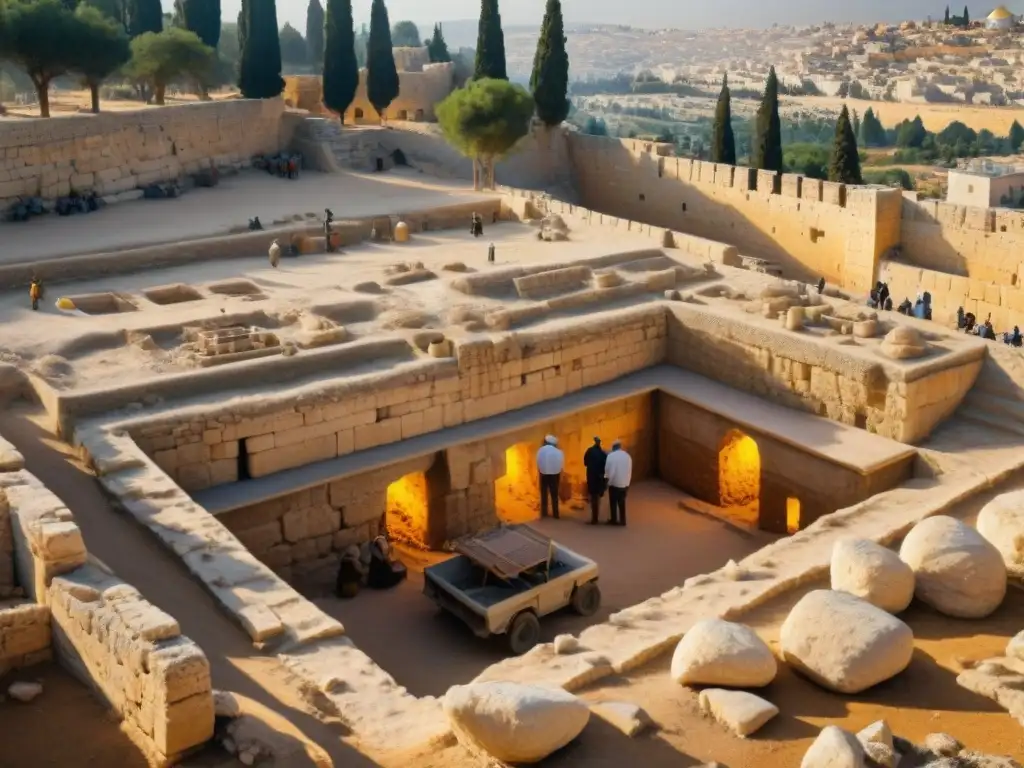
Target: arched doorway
x: 739, y: 477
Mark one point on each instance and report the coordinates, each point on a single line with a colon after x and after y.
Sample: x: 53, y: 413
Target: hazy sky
x: 692, y: 14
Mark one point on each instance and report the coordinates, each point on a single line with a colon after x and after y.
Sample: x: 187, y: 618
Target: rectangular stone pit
x: 103, y: 303
x: 239, y: 288
x: 178, y: 293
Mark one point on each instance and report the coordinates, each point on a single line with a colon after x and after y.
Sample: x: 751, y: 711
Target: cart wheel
x: 523, y: 632
x: 586, y: 599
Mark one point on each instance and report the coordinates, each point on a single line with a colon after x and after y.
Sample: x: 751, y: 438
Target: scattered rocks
x: 873, y: 573
x: 943, y: 744
x: 722, y: 653
x: 742, y: 712
x: 624, y: 716
x: 24, y: 691
x: 1001, y: 522
x: 834, y: 748
x: 844, y: 643
x: 369, y: 286
x: 957, y: 572
x: 565, y: 644
x: 512, y: 722
x: 879, y: 755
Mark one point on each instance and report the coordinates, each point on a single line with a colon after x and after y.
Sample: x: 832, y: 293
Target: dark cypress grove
x: 260, y: 76
x: 144, y: 16
x: 768, y: 136
x: 381, y: 72
x: 844, y: 164
x: 723, y: 141
x: 203, y: 18
x: 315, y: 32
x: 437, y: 47
x: 549, y: 82
x: 341, y: 72
x: 490, y: 44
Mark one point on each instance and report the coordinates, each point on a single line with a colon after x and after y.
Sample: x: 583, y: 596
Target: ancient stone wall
x: 810, y: 228
x: 116, y: 152
x: 156, y: 680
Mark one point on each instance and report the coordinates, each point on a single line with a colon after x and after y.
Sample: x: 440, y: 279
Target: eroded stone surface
x: 1001, y: 522
x: 873, y: 573
x: 834, y: 748
x: 742, y: 712
x: 722, y: 653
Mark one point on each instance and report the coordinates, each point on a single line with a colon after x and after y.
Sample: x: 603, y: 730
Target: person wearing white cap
x: 618, y: 470
x: 550, y: 461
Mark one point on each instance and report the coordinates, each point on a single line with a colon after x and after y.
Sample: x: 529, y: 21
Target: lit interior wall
x: 792, y: 515
x: 517, y: 492
x: 739, y: 477
x: 408, y: 510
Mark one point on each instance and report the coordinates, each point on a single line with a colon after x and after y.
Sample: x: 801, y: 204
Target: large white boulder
x: 844, y: 643
x: 834, y: 748
x: 956, y: 571
x: 1001, y: 522
x: 743, y: 713
x: 873, y: 573
x: 514, y: 723
x: 716, y: 652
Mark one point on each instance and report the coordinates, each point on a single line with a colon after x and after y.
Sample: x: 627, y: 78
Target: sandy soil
x: 934, y: 116
x: 64, y: 103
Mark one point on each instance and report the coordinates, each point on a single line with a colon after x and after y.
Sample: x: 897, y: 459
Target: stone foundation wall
x: 24, y: 634
x: 156, y: 680
x: 115, y: 152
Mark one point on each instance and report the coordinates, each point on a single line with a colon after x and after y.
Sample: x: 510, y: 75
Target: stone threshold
x: 841, y: 444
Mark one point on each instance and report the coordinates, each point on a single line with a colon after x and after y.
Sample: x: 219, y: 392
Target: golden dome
x: 1000, y: 13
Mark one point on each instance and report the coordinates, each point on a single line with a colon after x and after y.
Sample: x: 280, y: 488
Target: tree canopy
x: 143, y: 16
x: 1016, y: 136
x: 381, y: 72
x: 405, y: 34
x: 315, y: 32
x: 341, y: 72
x: 260, y: 75
x: 723, y: 140
x: 872, y: 134
x: 293, y: 46
x: 203, y: 18
x: 767, y: 153
x: 490, y: 44
x: 485, y: 119
x: 549, y: 82
x: 102, y: 47
x: 844, y: 163
x: 160, y: 59
x: 437, y: 47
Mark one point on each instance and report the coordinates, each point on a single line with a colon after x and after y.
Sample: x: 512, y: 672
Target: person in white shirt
x: 550, y: 461
x: 618, y: 470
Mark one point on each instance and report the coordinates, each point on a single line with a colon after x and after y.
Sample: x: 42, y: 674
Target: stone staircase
x: 354, y: 149
x: 996, y: 401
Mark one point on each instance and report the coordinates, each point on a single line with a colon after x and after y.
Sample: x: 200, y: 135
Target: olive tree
x: 174, y: 54
x: 102, y: 47
x: 484, y: 121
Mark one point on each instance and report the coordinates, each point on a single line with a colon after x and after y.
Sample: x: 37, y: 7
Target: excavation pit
x: 237, y: 288
x: 179, y: 293
x: 103, y: 303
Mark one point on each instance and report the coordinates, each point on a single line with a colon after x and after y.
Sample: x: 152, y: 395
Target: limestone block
x: 184, y: 724
x: 181, y: 668
x: 743, y: 713
x: 956, y: 570
x: 261, y: 538
x: 834, y: 748
x: 310, y: 522
x: 512, y: 722
x: 624, y: 716
x: 716, y: 652
x: 795, y: 319
x: 873, y: 573
x: 844, y: 643
x: 60, y: 541
x: 1001, y: 522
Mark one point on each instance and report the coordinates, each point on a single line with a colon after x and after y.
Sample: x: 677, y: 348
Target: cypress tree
x: 260, y: 76
x: 341, y: 72
x: 243, y: 29
x: 967, y: 17
x: 1016, y: 136
x: 203, y: 18
x: 437, y: 47
x: 144, y: 16
x: 549, y: 82
x: 946, y: 20
x: 381, y: 72
x: 490, y: 44
x: 844, y: 164
x: 768, y: 136
x: 315, y: 32
x: 723, y: 141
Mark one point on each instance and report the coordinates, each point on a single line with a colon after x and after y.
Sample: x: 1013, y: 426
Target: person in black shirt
x: 594, y: 460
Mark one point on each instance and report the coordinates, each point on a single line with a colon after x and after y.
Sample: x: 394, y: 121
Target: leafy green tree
x: 437, y: 47
x: 293, y: 46
x: 723, y: 140
x: 315, y: 32
x: 203, y: 18
x: 549, y: 82
x: 490, y: 44
x: 101, y: 47
x: 484, y: 121
x: 911, y: 133
x: 405, y: 34
x: 381, y: 72
x: 595, y: 126
x: 114, y: 9
x: 844, y: 164
x: 768, y: 135
x: 174, y: 54
x: 341, y: 72
x: 1016, y: 136
x: 39, y: 37
x: 144, y: 16
x: 872, y: 134
x: 260, y: 76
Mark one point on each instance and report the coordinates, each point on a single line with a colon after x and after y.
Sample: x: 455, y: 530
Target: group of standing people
x: 611, y: 472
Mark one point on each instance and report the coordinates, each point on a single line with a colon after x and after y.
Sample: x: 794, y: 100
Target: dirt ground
x: 68, y: 102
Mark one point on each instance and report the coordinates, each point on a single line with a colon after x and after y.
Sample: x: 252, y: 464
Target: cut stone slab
x: 872, y: 573
x: 624, y: 716
x: 743, y: 713
x: 723, y: 653
x: 834, y: 748
x: 1001, y: 522
x: 512, y: 722
x: 999, y: 679
x: 956, y: 570
x: 843, y: 643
